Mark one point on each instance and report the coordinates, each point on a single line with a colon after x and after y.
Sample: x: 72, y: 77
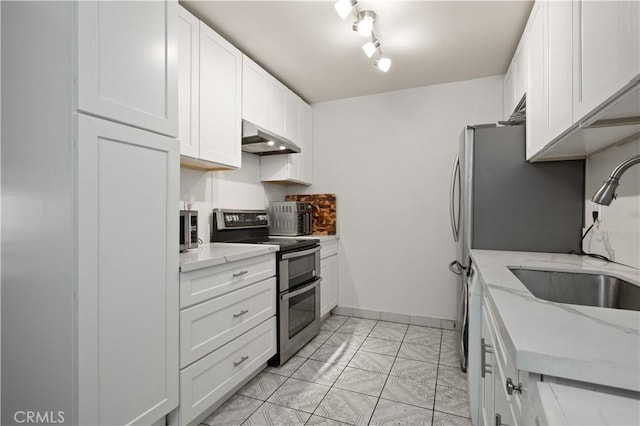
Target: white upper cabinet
x: 210, y: 85
x: 515, y: 80
x: 127, y: 63
x: 292, y: 119
x: 607, y: 50
x: 276, y: 106
x: 188, y: 82
x: 254, y: 92
x: 220, y: 99
x: 584, y: 67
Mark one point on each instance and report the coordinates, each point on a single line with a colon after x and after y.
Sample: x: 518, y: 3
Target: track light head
x: 343, y: 7
x: 364, y: 24
x: 383, y: 63
x: 370, y: 47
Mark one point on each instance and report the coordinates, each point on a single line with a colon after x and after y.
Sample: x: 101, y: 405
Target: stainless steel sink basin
x: 580, y: 289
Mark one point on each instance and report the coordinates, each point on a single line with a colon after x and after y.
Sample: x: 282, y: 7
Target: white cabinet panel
x: 329, y: 284
x: 209, y: 325
x: 607, y: 50
x: 127, y: 63
x: 189, y: 83
x: 276, y: 105
x: 520, y: 72
x: 306, y: 139
x: 509, y: 92
x: 254, y: 93
x: 220, y: 99
x: 292, y: 117
x: 536, y: 122
x: 127, y: 297
x: 203, y: 383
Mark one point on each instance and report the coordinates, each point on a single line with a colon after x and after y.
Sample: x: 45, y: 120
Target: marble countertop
x: 218, y: 253
x: 310, y: 237
x: 589, y: 344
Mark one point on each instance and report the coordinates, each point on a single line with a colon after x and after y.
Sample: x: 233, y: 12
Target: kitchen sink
x: 598, y: 290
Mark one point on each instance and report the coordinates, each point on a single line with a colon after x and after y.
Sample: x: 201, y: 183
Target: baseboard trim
x: 445, y: 324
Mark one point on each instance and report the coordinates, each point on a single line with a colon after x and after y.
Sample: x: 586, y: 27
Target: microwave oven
x: 290, y: 218
x: 188, y: 229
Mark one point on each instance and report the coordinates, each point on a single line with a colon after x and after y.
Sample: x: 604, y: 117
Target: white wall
x: 233, y: 189
x: 618, y: 235
x: 388, y: 157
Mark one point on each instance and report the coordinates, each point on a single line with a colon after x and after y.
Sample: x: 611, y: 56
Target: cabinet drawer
x: 206, y: 381
x: 207, y: 283
x: 328, y: 248
x: 209, y: 325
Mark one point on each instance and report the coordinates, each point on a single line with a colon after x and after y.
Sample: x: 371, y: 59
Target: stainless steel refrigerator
x: 500, y: 201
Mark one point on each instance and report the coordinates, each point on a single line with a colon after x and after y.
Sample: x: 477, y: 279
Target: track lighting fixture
x: 370, y: 47
x: 343, y: 7
x: 383, y: 63
x: 364, y: 24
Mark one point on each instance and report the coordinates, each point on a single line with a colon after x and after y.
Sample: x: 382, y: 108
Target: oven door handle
x: 307, y: 287
x: 302, y: 253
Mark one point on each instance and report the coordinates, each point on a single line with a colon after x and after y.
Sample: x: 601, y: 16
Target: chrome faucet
x: 607, y: 192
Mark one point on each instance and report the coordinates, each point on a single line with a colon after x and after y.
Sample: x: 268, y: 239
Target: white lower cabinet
x: 228, y: 331
x: 329, y: 274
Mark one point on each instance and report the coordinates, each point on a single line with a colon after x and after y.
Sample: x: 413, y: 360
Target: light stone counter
x: 588, y: 344
x: 218, y: 253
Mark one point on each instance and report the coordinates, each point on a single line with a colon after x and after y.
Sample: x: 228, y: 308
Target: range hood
x: 257, y: 140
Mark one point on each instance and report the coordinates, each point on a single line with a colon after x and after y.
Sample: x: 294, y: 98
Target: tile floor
x: 358, y: 372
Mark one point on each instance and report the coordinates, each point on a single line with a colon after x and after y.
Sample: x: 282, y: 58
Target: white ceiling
x: 310, y: 49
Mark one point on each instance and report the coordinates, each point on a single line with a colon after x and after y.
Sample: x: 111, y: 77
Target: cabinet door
x: 607, y: 50
x: 220, y: 99
x: 558, y: 69
x: 520, y: 72
x: 127, y: 291
x: 306, y: 137
x: 127, y: 63
x: 188, y: 82
x: 535, y: 87
x: 254, y: 92
x: 292, y: 117
x: 276, y: 106
x: 329, y: 285
x: 490, y: 368
x: 509, y: 90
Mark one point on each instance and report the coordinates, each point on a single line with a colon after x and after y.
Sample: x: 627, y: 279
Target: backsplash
x: 237, y: 189
x: 617, y: 236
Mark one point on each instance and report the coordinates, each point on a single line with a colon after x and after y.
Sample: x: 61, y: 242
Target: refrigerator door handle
x: 455, y: 217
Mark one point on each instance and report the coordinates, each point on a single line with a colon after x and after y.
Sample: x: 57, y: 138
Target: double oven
x: 298, y: 275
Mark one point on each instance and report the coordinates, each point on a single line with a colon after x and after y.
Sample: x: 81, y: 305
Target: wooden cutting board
x: 324, y: 211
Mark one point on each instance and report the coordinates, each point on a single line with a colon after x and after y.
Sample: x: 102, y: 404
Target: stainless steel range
x: 298, y: 273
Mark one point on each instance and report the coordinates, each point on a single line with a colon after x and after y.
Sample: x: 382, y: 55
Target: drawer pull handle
x: 484, y: 350
x: 239, y: 274
x: 241, y: 313
x: 511, y: 388
x: 243, y: 359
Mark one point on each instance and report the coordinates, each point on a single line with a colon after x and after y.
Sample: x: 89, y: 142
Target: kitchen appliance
x: 188, y: 229
x: 499, y: 201
x: 290, y: 218
x: 257, y: 140
x: 298, y: 275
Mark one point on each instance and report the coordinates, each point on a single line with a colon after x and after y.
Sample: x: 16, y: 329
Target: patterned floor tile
x: 420, y: 338
x: 349, y: 407
x: 442, y: 419
x: 387, y: 333
x: 363, y: 381
x: 452, y: 377
x: 351, y: 341
x: 361, y: 321
x: 421, y: 371
x: 358, y: 329
x: 275, y: 415
x: 422, y: 329
x: 452, y: 401
x: 334, y: 354
x: 323, y: 421
x: 262, y: 386
x: 233, y: 412
x: 419, y: 352
x: 394, y: 325
x: 409, y: 391
x: 380, y: 346
x: 320, y: 372
x: 449, y: 357
x: 372, y: 362
x: 299, y: 395
x: 332, y: 323
x: 308, y: 349
x: 394, y: 413
x: 288, y: 367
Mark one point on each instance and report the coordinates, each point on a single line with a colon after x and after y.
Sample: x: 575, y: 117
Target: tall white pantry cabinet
x: 90, y: 172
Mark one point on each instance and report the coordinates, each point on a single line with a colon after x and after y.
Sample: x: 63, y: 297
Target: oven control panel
x: 239, y: 219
